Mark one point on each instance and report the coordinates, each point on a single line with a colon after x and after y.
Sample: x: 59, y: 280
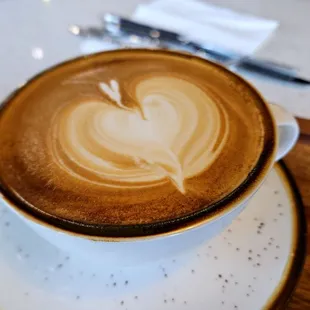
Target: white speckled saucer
x: 254, y: 264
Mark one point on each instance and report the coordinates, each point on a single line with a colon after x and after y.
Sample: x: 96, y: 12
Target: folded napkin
x: 205, y: 23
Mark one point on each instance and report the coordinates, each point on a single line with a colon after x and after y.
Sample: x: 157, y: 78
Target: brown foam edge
x: 164, y: 228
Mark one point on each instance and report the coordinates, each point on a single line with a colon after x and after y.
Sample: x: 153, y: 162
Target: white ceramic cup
x: 137, y: 250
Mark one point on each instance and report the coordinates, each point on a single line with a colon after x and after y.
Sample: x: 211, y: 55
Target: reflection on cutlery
x: 127, y: 33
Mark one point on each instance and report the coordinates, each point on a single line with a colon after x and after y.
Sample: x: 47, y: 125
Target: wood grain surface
x: 298, y: 161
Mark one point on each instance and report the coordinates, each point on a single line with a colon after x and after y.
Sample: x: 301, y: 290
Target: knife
x: 116, y: 26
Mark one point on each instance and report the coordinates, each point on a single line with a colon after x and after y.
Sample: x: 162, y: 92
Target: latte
x: 130, y: 138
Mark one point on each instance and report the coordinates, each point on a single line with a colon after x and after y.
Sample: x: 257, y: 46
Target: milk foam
x: 176, y: 137
x: 131, y: 137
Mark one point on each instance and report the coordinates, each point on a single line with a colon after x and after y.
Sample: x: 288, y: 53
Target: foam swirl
x: 175, y: 132
x: 131, y: 137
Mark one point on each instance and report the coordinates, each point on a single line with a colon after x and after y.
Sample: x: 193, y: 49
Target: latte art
x: 131, y: 139
x: 179, y: 133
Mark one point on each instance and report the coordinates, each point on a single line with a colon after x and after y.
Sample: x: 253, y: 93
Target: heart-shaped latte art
x: 176, y: 132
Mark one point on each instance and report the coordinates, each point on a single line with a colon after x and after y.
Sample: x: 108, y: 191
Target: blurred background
x: 34, y: 35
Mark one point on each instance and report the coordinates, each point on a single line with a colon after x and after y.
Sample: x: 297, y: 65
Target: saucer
x: 253, y: 264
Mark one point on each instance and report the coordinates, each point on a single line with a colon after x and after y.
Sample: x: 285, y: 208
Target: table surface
x: 298, y: 162
x: 34, y: 24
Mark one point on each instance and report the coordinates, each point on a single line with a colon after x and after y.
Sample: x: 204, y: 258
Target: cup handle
x: 288, y: 130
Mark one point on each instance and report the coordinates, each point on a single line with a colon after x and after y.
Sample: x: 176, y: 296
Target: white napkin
x: 205, y: 23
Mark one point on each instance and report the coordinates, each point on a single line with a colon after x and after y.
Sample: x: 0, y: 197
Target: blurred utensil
x: 127, y: 33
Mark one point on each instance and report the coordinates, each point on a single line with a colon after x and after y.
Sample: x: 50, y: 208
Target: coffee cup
x: 133, y: 155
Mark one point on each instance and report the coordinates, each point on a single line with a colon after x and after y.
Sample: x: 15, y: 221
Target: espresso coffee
x: 131, y: 138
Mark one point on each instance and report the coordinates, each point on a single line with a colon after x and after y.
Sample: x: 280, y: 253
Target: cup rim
x: 163, y: 228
